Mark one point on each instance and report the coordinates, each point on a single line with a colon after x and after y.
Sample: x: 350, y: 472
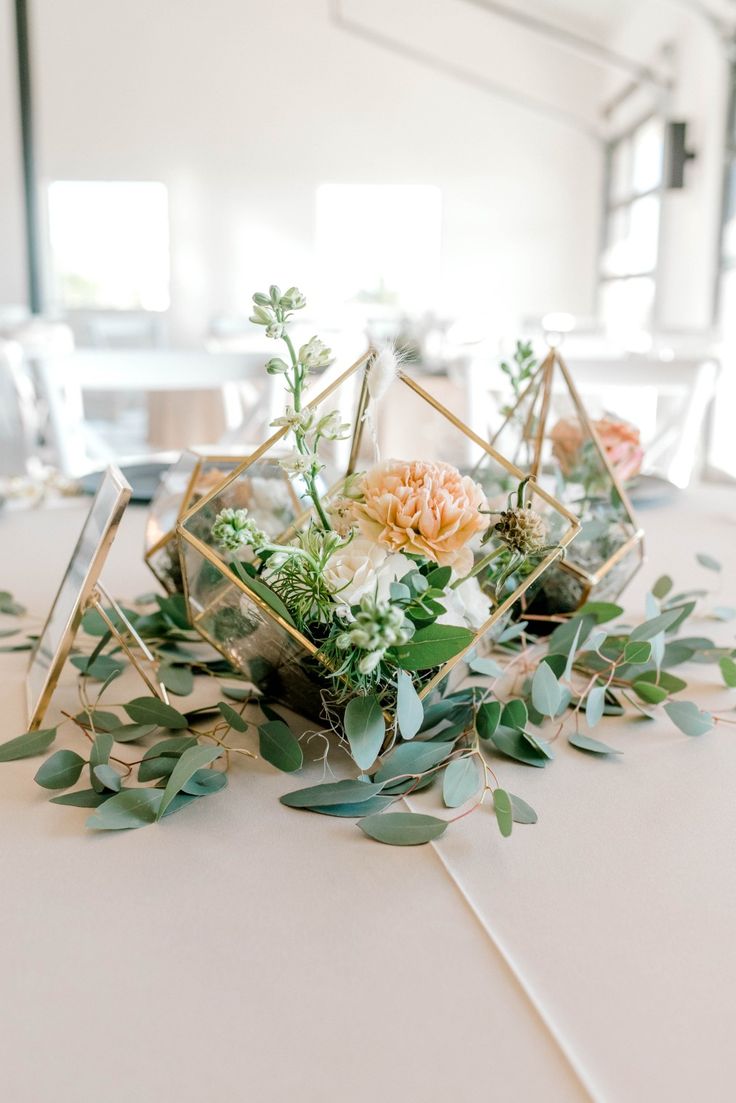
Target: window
x: 109, y: 244
x: 722, y: 454
x: 380, y: 243
x: 631, y: 232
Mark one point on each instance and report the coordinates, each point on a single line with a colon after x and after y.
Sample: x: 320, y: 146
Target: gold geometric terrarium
x: 550, y: 433
x: 187, y: 481
x: 238, y: 615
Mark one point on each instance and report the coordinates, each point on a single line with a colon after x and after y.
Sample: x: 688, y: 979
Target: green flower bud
x: 370, y: 661
x: 275, y: 293
x: 260, y: 299
x: 276, y: 366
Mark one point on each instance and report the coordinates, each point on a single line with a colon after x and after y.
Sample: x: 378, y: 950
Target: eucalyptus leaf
x: 99, y: 720
x: 150, y: 710
x: 82, y: 798
x: 365, y: 729
x: 487, y: 667
x: 131, y: 733
x: 28, y: 744
x: 279, y: 746
x: 234, y: 719
x: 409, y: 708
x: 60, y: 770
x: 355, y: 811
x: 237, y: 693
x: 192, y: 760
x: 515, y: 714
x: 521, y: 811
x: 593, y: 746
x: 650, y: 692
x: 409, y: 759
x: 108, y: 776
x: 546, y: 692
x: 332, y: 792
x: 204, y: 782
x: 708, y: 561
x: 99, y: 755
x: 651, y: 628
x: 151, y: 769
x: 662, y: 586
x: 487, y: 719
x: 432, y: 646
x: 173, y: 747
x: 177, y: 679
x: 127, y: 810
x: 504, y: 811
x: 637, y: 652
x: 686, y: 716
x: 601, y: 611
x: 402, y: 828
x: 266, y: 594
x: 100, y: 668
x: 728, y: 671
x: 513, y: 744
x: 461, y: 781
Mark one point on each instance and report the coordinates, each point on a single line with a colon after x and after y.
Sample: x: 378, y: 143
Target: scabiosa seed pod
x: 521, y: 529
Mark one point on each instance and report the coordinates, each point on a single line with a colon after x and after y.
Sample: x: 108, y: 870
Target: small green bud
x: 260, y: 299
x: 277, y: 366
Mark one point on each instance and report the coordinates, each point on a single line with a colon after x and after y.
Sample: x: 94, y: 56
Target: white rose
x: 361, y: 568
x: 466, y: 607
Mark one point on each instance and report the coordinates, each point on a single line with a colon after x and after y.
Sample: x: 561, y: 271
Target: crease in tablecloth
x: 573, y: 1060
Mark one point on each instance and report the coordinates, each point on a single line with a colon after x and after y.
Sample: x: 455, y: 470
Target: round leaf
x: 60, y: 771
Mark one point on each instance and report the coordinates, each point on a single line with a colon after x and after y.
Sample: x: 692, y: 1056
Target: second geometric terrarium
x: 268, y: 495
x: 584, y: 463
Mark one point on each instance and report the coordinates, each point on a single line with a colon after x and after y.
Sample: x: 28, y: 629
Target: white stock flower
x: 315, y: 354
x: 363, y: 568
x: 293, y: 419
x: 294, y: 463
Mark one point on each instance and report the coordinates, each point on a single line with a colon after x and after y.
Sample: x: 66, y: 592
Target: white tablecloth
x: 242, y: 950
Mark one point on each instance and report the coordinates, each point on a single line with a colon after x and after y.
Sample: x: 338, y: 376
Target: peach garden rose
x: 621, y: 441
x: 427, y: 509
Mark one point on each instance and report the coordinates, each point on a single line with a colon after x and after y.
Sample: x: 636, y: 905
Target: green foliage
x: 504, y: 811
x: 409, y: 708
x: 402, y: 828
x: 365, y: 729
x: 60, y: 770
x: 24, y: 746
x: 279, y: 746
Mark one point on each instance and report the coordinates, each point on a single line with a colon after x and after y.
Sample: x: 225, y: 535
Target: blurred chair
x: 19, y: 421
x: 190, y: 397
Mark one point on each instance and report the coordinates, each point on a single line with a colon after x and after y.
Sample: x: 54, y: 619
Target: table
x: 246, y: 951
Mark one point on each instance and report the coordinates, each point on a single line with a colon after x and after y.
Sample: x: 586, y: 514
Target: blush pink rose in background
x: 427, y: 509
x: 621, y: 442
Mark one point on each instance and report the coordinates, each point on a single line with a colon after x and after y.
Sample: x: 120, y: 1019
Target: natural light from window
x: 109, y: 244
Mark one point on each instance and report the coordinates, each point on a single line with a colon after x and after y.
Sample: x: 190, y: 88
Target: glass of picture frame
x: 81, y: 589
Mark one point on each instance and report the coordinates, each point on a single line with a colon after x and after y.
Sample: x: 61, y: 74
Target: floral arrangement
x: 401, y: 579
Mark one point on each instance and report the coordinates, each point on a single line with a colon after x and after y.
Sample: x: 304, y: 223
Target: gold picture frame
x: 80, y: 590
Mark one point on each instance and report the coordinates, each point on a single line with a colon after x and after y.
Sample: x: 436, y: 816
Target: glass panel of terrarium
x: 167, y: 500
x: 574, y: 470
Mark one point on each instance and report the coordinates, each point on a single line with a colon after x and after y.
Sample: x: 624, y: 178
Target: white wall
x: 242, y: 109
